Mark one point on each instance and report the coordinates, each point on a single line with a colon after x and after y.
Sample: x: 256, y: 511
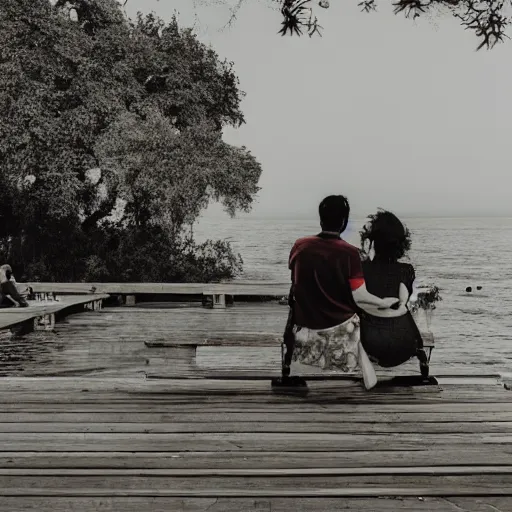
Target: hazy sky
x: 390, y: 112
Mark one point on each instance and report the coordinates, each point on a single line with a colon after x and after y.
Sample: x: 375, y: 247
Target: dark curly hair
x: 388, y: 236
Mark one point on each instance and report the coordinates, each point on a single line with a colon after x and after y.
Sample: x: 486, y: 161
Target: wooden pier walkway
x: 103, y: 437
x: 200, y: 445
x: 37, y: 309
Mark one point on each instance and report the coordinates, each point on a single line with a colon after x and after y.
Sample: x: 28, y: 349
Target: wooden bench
x: 180, y: 356
x: 43, y: 311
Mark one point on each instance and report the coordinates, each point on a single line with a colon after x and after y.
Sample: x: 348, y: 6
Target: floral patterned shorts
x: 334, y: 348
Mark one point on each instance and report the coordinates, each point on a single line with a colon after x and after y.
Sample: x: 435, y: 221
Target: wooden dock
x: 201, y: 445
x: 164, y: 341
x: 216, y: 292
x: 39, y: 309
x: 102, y: 436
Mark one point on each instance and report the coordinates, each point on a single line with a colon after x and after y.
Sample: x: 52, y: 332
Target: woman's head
x: 334, y: 212
x: 388, y: 237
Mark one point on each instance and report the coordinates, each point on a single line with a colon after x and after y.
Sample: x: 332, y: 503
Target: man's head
x: 334, y: 213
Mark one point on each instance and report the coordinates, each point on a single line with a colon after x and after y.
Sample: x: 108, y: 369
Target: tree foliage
x: 111, y: 140
x: 488, y: 19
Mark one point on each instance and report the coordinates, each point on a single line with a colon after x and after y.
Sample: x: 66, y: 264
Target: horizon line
x: 363, y: 216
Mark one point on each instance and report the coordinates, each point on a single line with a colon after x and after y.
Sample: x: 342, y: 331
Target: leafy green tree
x: 112, y: 128
x: 166, y: 177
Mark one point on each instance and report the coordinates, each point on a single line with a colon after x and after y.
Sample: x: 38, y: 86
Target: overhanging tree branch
x: 486, y: 18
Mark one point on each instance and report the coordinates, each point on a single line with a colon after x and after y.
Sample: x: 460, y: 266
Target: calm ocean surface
x: 473, y: 332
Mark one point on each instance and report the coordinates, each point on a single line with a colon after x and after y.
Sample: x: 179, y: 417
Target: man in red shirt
x: 328, y: 286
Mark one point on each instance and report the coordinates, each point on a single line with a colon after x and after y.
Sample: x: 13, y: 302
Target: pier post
x: 45, y: 322
x: 219, y: 301
x: 130, y: 300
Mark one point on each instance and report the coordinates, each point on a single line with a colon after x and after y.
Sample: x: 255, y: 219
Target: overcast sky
x: 390, y: 112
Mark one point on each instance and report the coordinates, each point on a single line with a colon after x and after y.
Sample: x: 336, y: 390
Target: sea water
x: 473, y: 330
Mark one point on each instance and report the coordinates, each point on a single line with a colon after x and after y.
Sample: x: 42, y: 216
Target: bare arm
x: 391, y: 313
x: 403, y: 294
x: 363, y: 298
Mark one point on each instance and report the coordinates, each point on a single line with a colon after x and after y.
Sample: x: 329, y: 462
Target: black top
x: 383, y: 279
x: 389, y: 341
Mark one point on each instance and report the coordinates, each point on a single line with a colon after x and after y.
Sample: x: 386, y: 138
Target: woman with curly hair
x: 390, y: 337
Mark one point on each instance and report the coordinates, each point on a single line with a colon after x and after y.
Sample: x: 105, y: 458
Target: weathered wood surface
x: 114, y: 440
x: 160, y: 504
x: 12, y: 316
x: 125, y: 443
x: 233, y: 288
x: 131, y: 341
x: 247, y: 339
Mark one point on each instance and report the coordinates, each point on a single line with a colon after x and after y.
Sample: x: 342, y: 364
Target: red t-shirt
x: 325, y: 269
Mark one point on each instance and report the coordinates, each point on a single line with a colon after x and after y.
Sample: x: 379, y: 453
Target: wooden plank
x: 269, y: 290
x: 229, y: 340
x: 132, y: 385
x: 334, y: 397
x: 346, y: 387
x: 243, y: 441
x: 213, y: 394
x: 17, y: 385
x: 432, y: 485
x: 483, y: 427
x: 500, y: 455
x: 235, y: 339
x: 142, y: 406
x: 247, y: 402
x: 211, y: 417
x: 162, y: 504
x: 254, y: 487
x: 233, y: 288
x: 283, y: 474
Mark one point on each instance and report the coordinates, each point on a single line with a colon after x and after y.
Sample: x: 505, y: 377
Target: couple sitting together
x: 347, y: 310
